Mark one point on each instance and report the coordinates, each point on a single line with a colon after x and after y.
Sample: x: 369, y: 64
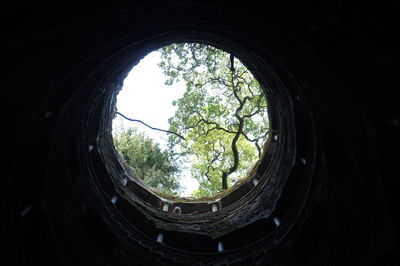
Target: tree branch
x: 153, y: 128
x: 244, y: 81
x: 256, y: 142
x: 234, y: 148
x: 216, y: 157
x: 232, y: 59
x: 217, y: 126
x: 252, y: 114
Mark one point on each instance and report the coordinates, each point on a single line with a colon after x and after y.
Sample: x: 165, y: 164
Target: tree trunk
x: 224, y: 180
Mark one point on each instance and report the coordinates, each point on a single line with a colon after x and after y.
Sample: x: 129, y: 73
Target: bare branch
x: 153, y: 128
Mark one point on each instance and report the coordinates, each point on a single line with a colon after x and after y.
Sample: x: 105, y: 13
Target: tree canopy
x: 149, y: 162
x: 222, y: 115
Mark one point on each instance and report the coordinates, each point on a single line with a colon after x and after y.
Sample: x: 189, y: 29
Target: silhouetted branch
x: 153, y: 128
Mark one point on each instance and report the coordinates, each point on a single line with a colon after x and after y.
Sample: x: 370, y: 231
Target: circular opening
x: 191, y: 122
x: 240, y: 206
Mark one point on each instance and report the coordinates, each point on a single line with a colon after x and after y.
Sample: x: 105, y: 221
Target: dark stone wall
x: 344, y: 56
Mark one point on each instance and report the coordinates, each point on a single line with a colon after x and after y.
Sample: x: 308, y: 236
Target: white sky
x: 144, y: 96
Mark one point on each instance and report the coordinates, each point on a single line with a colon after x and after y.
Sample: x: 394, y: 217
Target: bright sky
x: 144, y: 96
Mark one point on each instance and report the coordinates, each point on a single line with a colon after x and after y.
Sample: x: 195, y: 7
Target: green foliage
x: 222, y: 114
x: 151, y: 164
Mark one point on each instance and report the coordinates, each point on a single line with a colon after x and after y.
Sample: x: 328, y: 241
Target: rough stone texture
x: 62, y: 62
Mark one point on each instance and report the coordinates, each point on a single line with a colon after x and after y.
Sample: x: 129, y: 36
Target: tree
x: 150, y: 164
x: 222, y: 114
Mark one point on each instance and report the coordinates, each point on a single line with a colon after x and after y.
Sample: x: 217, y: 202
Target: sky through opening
x: 145, y: 84
x: 215, y: 113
